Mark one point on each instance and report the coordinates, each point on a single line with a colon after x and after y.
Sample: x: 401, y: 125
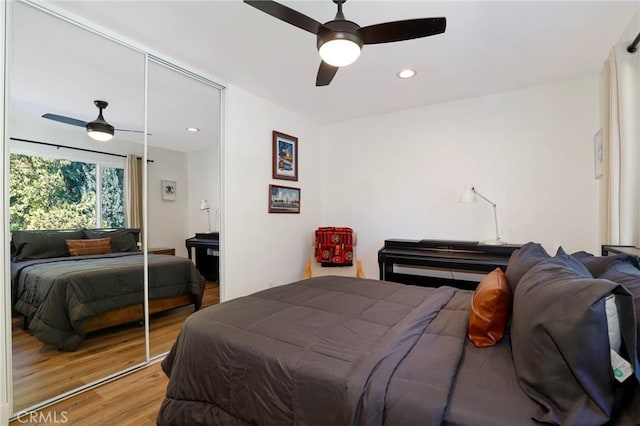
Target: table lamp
x: 204, y: 205
x: 469, y: 196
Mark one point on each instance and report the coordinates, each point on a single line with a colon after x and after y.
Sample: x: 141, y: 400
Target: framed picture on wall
x: 285, y: 156
x: 283, y: 199
x: 169, y: 189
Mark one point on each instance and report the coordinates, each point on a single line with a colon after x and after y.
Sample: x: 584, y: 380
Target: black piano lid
x: 207, y: 236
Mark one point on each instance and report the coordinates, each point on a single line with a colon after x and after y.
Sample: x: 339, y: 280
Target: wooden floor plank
x: 41, y: 372
x: 130, y: 400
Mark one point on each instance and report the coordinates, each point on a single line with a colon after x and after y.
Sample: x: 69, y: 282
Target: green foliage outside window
x: 47, y: 193
x: 112, y: 198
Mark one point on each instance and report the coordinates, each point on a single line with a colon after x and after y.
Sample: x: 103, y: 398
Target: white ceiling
x: 488, y: 47
x: 61, y: 69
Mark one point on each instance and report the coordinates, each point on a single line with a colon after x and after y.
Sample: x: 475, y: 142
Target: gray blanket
x: 344, y: 351
x: 325, y: 351
x: 56, y: 294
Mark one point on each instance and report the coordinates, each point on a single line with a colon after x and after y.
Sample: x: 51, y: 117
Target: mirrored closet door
x: 184, y: 120
x: 100, y: 216
x: 72, y: 322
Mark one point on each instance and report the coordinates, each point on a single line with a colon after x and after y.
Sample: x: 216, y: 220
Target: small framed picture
x: 285, y: 156
x: 283, y: 199
x: 169, y: 189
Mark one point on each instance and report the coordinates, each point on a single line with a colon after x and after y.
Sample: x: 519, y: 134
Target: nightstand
x: 162, y: 250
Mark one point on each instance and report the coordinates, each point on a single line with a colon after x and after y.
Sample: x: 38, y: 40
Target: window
x: 50, y: 193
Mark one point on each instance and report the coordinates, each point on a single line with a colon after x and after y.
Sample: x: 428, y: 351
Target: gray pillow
x: 522, y: 260
x: 122, y: 240
x: 572, y: 262
x: 43, y: 244
x: 597, y: 265
x: 560, y: 344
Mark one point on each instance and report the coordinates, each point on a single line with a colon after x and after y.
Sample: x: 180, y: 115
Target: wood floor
x: 40, y: 372
x: 130, y: 400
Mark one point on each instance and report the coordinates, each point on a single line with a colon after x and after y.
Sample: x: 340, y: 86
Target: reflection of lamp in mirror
x: 204, y: 205
x: 469, y: 196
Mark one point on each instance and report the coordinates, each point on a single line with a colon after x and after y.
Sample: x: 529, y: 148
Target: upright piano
x: 441, y: 262
x: 207, y: 248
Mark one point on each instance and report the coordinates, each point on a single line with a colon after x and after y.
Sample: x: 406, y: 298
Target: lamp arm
x: 495, y: 212
x: 495, y: 218
x: 483, y: 197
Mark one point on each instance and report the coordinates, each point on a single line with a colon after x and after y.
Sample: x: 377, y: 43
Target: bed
x: 347, y: 351
x: 64, y: 293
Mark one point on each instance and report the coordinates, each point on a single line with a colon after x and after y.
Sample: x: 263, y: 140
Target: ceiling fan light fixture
x: 100, y: 131
x: 339, y: 48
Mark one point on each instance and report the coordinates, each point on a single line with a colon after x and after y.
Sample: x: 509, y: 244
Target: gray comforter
x: 325, y: 351
x: 346, y: 351
x: 56, y: 294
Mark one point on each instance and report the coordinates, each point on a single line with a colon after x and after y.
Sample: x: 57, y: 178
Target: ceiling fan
x: 339, y: 41
x: 97, y: 129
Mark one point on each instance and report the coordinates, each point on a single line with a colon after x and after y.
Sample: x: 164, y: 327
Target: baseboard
x: 4, y: 414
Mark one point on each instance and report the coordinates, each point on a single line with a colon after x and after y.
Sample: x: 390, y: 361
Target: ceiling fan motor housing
x: 339, y: 30
x: 100, y: 125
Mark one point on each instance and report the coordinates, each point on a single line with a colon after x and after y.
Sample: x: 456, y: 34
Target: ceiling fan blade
x: 402, y: 30
x: 286, y: 14
x: 127, y: 130
x: 66, y: 120
x: 325, y: 74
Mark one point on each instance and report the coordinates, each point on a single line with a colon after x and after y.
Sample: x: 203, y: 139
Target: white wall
x: 204, y: 184
x: 168, y: 220
x: 401, y: 175
x: 632, y: 29
x: 259, y: 247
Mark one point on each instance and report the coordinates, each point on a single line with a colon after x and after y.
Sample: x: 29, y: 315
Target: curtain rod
x: 73, y: 147
x: 634, y: 44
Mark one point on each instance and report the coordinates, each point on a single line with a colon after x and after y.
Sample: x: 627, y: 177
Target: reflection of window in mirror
x: 70, y: 194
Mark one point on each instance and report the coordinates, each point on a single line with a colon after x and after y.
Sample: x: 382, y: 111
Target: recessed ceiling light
x: 406, y: 73
x: 192, y: 129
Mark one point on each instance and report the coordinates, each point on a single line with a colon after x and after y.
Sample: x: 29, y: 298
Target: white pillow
x: 613, y: 323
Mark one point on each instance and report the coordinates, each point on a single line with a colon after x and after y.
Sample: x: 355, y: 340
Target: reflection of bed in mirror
x: 68, y: 283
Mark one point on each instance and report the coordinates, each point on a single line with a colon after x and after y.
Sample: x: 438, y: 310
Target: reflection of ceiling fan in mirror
x: 97, y: 129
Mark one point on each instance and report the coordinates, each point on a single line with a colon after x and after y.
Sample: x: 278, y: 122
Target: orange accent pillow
x: 84, y: 247
x: 489, y: 309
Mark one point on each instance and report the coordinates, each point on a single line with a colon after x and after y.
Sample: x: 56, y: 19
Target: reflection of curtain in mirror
x: 621, y: 140
x: 133, y: 192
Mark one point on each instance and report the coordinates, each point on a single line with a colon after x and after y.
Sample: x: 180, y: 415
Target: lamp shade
x: 204, y: 205
x: 468, y: 196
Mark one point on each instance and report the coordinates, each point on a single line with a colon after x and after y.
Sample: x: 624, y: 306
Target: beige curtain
x: 133, y: 192
x: 621, y: 147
